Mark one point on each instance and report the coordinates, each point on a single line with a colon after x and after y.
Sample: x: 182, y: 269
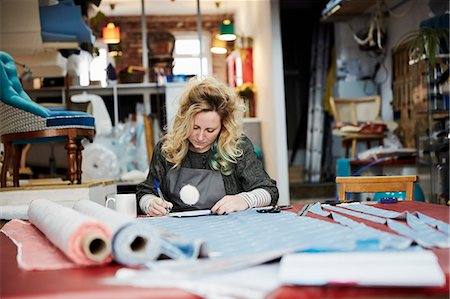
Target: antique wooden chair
x: 23, y: 121
x: 353, y: 112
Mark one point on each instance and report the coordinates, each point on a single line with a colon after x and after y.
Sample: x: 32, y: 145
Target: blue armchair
x: 23, y: 121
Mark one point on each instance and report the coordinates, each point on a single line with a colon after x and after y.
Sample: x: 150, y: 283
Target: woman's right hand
x: 159, y: 207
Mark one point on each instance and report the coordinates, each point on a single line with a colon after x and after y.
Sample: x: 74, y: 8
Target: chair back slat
x: 355, y: 110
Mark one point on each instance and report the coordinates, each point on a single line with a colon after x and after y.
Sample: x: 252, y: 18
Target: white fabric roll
x: 14, y: 212
x: 83, y: 239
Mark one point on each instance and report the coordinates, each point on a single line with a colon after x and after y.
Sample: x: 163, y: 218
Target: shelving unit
x: 422, y: 112
x: 170, y: 91
x: 435, y: 148
x: 144, y: 89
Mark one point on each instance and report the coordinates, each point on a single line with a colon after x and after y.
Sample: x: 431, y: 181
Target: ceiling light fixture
x: 227, y: 31
x: 219, y: 46
x: 111, y: 34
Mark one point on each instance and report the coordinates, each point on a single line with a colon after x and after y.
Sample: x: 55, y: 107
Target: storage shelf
x: 145, y: 89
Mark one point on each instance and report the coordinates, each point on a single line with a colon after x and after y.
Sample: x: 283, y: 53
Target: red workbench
x: 86, y: 282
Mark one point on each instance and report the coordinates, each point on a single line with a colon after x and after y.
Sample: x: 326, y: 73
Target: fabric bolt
x: 34, y: 250
x: 14, y: 212
x: 83, y: 239
x: 135, y: 243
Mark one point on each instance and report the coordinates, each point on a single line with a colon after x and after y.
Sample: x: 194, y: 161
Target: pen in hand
x: 160, y: 194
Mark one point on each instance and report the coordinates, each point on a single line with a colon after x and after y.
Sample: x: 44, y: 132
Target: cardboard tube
x: 96, y: 247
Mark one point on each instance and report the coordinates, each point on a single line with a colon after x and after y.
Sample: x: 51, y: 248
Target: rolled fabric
x: 136, y: 242
x: 10, y: 212
x: 133, y: 242
x: 83, y: 239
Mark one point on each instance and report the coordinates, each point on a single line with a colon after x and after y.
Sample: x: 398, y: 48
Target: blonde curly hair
x: 207, y: 94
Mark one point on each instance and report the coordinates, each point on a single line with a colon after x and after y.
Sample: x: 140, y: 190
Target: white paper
x: 194, y: 213
x: 252, y: 282
x: 385, y: 268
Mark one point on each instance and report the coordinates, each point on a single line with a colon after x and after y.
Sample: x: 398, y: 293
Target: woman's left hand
x: 228, y: 204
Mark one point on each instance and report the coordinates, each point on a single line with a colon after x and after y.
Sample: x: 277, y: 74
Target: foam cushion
x: 70, y: 118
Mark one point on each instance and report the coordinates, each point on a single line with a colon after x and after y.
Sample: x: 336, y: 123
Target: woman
x: 205, y: 161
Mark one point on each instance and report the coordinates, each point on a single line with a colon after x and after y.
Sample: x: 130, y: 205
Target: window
x: 187, y: 54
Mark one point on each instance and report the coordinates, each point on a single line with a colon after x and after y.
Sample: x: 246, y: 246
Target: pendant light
x: 227, y: 31
x: 219, y: 46
x: 111, y: 34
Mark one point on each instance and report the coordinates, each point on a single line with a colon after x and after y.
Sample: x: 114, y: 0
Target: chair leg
x: 71, y: 149
x: 353, y: 148
x: 79, y: 159
x: 16, y: 164
x: 346, y: 144
x: 6, y: 158
x: 23, y: 157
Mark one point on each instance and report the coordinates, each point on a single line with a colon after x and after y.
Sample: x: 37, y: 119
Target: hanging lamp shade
x: 227, y: 31
x: 111, y: 34
x: 219, y: 46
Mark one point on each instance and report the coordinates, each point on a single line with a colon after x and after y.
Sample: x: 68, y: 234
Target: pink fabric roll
x: 84, y: 240
x: 34, y: 250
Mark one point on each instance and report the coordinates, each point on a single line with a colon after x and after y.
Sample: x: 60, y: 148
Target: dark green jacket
x: 248, y: 173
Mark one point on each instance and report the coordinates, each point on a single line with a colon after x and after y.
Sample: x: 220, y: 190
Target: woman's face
x: 207, y: 125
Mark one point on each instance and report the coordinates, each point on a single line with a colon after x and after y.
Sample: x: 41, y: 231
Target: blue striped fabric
x: 70, y: 118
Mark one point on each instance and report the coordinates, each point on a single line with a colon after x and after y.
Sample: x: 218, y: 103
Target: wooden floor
x: 304, y: 192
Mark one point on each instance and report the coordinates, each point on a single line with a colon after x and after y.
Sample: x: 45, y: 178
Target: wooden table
x: 393, y: 183
x: 86, y: 282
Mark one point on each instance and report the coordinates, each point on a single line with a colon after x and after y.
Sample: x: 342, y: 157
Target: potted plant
x: 426, y: 43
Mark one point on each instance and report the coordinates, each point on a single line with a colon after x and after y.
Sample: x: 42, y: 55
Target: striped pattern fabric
x: 14, y: 120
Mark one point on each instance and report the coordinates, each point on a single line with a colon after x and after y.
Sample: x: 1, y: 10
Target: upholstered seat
x: 23, y: 121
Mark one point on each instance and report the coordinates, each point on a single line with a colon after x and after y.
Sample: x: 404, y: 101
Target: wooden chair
x: 355, y: 111
x: 22, y: 121
x: 358, y: 184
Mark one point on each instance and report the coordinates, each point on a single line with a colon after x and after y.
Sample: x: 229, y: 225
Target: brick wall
x: 131, y: 36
